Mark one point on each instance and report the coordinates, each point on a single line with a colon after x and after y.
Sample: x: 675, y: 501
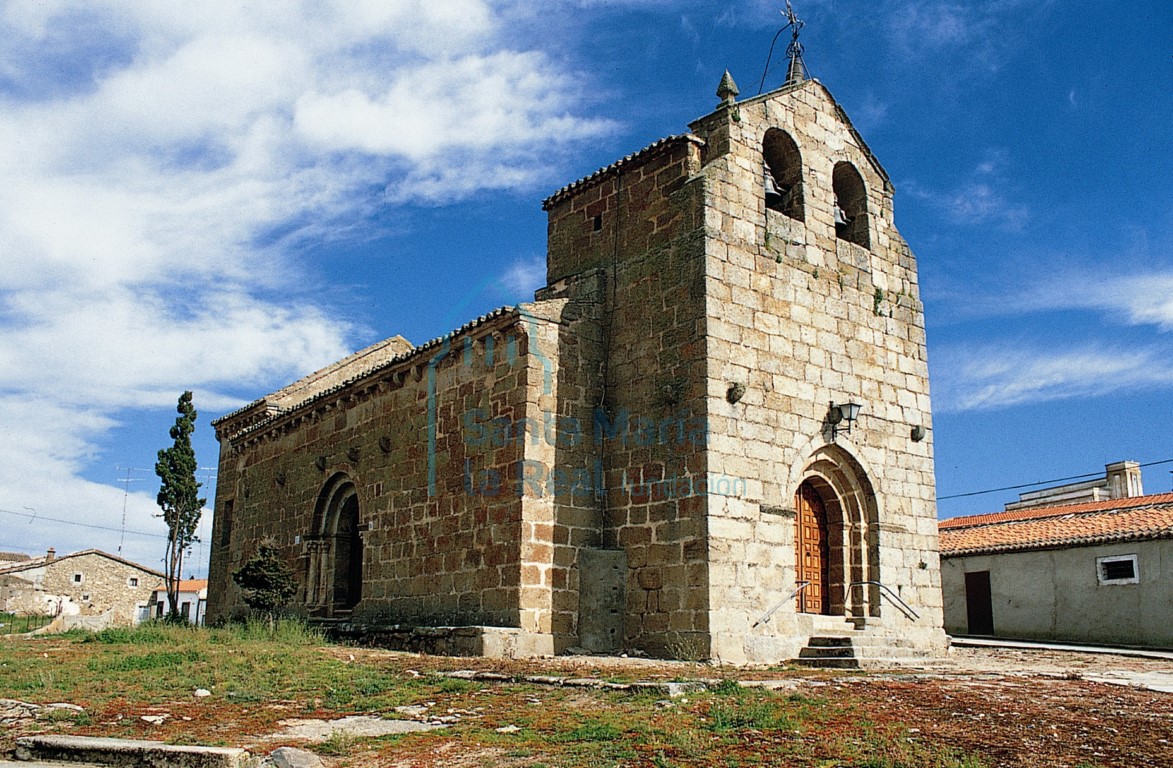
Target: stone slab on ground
x: 127, y: 752
x: 357, y: 725
x: 1162, y: 682
x: 291, y: 757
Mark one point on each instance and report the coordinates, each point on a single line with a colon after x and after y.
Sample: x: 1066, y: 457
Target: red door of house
x: 811, y: 533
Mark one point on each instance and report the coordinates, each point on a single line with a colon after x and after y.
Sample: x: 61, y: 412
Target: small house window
x: 132, y: 581
x: 85, y: 597
x: 783, y: 174
x: 78, y: 578
x: 850, y: 205
x: 1120, y: 569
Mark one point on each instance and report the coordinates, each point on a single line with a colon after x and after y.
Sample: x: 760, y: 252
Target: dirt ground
x: 1010, y: 707
x: 1004, y: 707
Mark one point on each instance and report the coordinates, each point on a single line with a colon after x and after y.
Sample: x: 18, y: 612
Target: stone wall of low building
x: 92, y: 582
x: 1056, y: 595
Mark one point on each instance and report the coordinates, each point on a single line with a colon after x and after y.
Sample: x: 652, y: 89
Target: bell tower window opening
x: 783, y: 174
x: 850, y: 205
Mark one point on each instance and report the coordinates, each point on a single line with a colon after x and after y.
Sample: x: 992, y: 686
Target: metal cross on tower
x: 797, y: 71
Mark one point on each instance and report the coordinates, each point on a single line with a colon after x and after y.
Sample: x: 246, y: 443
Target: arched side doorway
x: 836, y: 506
x: 335, y: 577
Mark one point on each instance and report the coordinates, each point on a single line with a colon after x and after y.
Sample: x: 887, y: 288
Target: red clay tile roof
x: 1095, y: 522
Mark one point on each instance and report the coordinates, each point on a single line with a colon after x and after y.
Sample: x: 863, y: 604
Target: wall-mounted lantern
x: 841, y: 417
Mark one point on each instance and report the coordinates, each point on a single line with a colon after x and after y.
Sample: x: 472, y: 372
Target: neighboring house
x: 193, y: 599
x: 88, y: 583
x: 645, y: 456
x: 1092, y: 571
x: 12, y: 558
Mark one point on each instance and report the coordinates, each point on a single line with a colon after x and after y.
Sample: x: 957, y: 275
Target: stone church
x: 708, y: 437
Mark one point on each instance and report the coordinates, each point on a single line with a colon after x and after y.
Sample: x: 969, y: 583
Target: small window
x: 223, y: 522
x: 77, y: 578
x: 85, y: 597
x: 132, y: 581
x: 1120, y: 569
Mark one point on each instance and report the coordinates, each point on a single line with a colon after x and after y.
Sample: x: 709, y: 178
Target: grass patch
x: 338, y: 744
x: 593, y: 730
x: 160, y: 660
x: 765, y: 714
x: 13, y: 624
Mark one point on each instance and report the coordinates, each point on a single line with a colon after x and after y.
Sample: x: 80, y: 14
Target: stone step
x: 828, y: 663
x: 124, y: 753
x: 827, y: 652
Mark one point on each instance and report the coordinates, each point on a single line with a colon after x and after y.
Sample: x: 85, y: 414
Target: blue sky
x: 218, y: 199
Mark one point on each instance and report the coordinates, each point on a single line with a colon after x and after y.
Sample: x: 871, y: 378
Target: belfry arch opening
x: 850, y: 205
x: 335, y: 576
x: 835, y: 502
x: 783, y: 175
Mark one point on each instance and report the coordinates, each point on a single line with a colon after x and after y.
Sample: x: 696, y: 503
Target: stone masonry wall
x: 105, y: 585
x: 640, y: 224
x: 454, y: 557
x: 801, y: 318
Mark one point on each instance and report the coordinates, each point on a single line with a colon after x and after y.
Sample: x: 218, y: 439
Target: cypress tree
x: 179, y: 497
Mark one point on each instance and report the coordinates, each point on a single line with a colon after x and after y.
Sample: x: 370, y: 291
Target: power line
x: 1041, y: 482
x: 81, y: 525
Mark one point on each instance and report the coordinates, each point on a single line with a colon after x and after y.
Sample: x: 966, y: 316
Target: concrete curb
x: 1028, y: 645
x: 669, y: 689
x: 126, y: 753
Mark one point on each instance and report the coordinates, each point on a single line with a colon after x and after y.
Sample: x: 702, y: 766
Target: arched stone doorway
x: 334, y: 580
x: 836, y: 506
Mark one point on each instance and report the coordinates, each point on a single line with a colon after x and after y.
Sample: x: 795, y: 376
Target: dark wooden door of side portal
x: 979, y: 607
x: 811, y: 534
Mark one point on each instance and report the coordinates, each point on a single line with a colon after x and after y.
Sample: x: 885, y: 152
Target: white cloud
x: 984, y: 197
x: 151, y: 150
x: 1001, y: 376
x: 507, y: 100
x: 975, y: 33
x: 523, y: 277
x: 1135, y: 299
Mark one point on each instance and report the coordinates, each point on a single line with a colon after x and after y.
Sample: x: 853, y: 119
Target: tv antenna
x: 126, y: 481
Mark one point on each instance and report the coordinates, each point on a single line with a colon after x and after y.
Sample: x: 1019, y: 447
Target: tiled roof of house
x: 1095, y: 522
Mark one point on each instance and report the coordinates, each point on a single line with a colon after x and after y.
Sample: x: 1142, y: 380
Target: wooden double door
x: 813, y: 550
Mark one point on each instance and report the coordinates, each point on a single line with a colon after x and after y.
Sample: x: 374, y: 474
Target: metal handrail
x: 892, y: 595
x: 764, y: 619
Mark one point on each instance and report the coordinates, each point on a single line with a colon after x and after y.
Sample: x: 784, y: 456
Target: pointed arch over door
x: 837, y: 489
x: 334, y: 581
